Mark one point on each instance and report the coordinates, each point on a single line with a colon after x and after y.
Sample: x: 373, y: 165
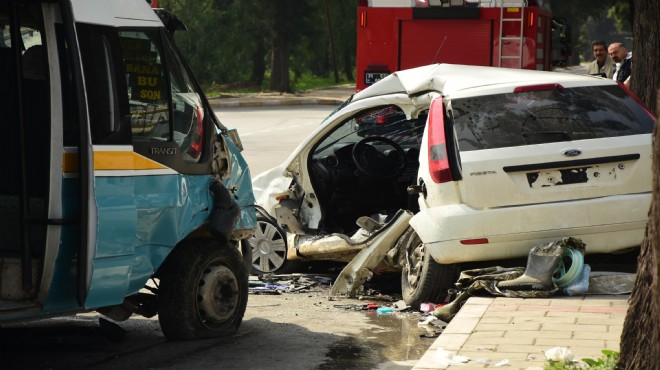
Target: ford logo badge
x: 571, y: 152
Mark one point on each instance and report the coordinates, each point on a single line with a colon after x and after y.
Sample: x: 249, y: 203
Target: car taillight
x: 196, y: 142
x: 438, y: 157
x: 541, y: 87
x: 636, y: 99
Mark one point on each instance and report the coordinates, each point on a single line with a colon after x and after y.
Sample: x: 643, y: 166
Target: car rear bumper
x: 607, y: 224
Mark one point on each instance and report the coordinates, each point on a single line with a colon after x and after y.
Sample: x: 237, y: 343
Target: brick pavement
x: 489, y: 330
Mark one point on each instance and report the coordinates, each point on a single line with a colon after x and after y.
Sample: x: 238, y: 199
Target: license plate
x: 373, y: 77
x: 593, y: 175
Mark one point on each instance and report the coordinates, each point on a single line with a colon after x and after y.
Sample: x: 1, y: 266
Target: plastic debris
x: 580, y: 285
x: 427, y: 307
x: 503, y: 362
x: 385, y: 311
x: 446, y: 358
x: 559, y: 354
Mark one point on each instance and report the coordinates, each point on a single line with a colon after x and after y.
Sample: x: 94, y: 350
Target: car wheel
x: 269, y: 249
x: 422, y: 279
x: 203, y: 291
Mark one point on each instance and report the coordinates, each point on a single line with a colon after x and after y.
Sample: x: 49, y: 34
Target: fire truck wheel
x: 422, y: 279
x: 203, y: 291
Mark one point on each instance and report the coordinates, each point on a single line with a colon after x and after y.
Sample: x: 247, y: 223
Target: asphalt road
x: 304, y: 330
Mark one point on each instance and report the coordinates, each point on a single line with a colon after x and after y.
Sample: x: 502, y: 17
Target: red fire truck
x: 400, y: 34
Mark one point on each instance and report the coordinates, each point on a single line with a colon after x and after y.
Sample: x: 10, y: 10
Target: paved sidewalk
x: 489, y: 330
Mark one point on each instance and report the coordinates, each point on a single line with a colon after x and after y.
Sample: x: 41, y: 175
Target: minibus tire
x: 203, y: 291
x: 423, y: 280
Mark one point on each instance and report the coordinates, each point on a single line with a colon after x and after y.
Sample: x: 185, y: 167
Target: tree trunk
x: 279, y: 77
x: 640, y: 340
x: 645, y: 79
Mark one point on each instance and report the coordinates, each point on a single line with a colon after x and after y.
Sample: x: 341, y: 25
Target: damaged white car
x: 446, y: 164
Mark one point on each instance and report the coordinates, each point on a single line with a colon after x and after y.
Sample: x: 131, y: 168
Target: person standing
x: 623, y: 60
x: 602, y: 64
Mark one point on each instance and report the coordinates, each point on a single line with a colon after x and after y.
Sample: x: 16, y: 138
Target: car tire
x: 269, y: 250
x: 203, y: 291
x: 422, y: 279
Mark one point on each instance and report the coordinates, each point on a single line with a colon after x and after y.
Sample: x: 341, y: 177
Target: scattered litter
x: 531, y: 357
x: 427, y: 307
x: 427, y: 320
x: 486, y: 361
x: 446, y: 358
x: 504, y: 362
x: 559, y: 354
x: 400, y: 306
x: 287, y: 283
x: 430, y: 334
x: 358, y: 307
x: 385, y: 311
x: 485, y: 348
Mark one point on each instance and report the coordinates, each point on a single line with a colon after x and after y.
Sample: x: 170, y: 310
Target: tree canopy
x: 243, y: 43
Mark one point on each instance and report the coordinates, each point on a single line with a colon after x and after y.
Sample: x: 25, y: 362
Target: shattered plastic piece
x: 602, y: 282
x: 427, y: 307
x: 559, y: 354
x: 385, y: 311
x: 579, y: 285
x: 400, y: 305
x: 427, y: 320
x: 446, y: 358
x: 485, y: 348
x: 503, y: 362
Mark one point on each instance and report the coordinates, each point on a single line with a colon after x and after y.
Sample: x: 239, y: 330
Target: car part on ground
x: 358, y: 271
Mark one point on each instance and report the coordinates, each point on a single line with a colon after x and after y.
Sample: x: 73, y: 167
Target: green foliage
x: 606, y: 362
x: 231, y: 41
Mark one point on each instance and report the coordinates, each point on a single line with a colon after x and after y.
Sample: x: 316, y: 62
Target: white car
x: 446, y: 164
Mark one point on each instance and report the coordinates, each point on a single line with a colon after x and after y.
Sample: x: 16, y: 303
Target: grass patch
x: 606, y: 362
x: 304, y: 82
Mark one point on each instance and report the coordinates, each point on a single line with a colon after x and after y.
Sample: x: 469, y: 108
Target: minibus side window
x: 107, y: 110
x: 187, y: 108
x: 146, y: 85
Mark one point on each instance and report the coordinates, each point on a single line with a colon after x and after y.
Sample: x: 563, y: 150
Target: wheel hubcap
x: 217, y: 295
x: 268, y: 248
x: 414, y: 262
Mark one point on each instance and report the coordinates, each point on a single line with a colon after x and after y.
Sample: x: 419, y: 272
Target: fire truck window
x: 187, y: 108
x: 146, y: 85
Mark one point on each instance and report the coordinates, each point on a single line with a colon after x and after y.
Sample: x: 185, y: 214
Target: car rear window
x: 537, y: 117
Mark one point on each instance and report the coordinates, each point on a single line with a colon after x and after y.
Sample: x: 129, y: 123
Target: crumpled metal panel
x: 140, y: 220
x: 240, y: 185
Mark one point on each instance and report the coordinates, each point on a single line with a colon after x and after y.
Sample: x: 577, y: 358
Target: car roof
x: 460, y: 80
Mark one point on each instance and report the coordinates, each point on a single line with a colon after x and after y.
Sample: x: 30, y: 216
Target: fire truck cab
x: 400, y: 34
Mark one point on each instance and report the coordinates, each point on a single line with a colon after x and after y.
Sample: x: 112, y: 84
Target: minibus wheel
x: 203, y: 291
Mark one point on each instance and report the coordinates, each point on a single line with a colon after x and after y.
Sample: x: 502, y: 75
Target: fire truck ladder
x: 512, y: 40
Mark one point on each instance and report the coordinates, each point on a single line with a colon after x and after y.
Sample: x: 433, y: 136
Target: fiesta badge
x: 571, y: 152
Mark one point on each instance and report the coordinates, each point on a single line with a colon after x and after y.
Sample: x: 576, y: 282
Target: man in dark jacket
x: 623, y: 60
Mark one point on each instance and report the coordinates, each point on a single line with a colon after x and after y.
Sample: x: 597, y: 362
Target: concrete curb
x: 269, y: 102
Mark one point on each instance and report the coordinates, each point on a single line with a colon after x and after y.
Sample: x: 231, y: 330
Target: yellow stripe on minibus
x: 112, y: 160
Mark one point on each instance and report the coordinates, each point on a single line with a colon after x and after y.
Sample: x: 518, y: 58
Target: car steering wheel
x: 377, y: 163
